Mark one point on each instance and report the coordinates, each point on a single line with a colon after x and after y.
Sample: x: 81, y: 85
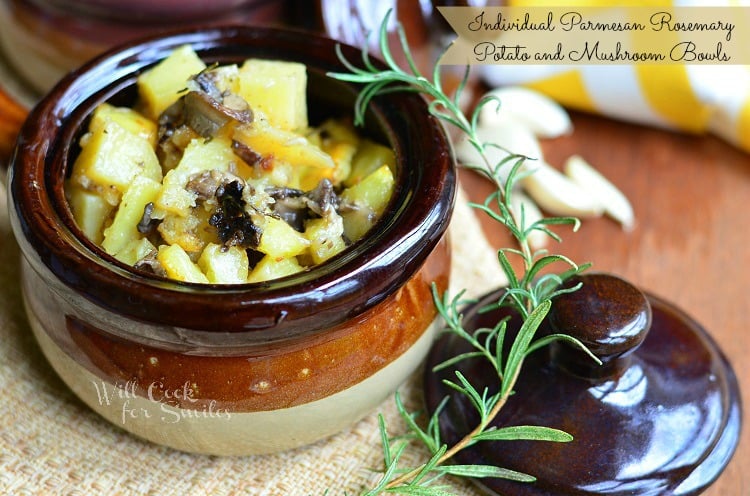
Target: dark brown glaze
x: 607, y: 314
x: 299, y: 373
x: 663, y: 420
x: 265, y: 314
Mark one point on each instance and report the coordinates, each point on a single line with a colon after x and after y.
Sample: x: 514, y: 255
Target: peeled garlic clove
x: 535, y: 111
x: 514, y: 138
x: 520, y: 203
x: 511, y: 139
x: 559, y: 195
x: 614, y: 202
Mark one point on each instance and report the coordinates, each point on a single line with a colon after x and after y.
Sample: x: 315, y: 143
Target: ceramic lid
x: 661, y: 415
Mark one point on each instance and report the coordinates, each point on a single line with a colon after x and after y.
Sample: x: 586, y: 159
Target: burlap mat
x: 51, y: 443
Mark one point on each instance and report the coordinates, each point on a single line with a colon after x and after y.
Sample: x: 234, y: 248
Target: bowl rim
x: 323, y: 297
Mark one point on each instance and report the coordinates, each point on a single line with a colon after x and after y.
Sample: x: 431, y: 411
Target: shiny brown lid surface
x: 661, y: 416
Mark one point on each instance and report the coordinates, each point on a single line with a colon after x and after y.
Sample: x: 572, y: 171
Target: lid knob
x: 608, y: 315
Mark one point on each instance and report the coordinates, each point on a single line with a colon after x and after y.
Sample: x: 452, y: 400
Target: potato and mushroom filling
x: 215, y: 175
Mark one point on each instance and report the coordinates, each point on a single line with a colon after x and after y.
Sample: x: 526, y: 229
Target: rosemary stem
x: 529, y: 297
x: 465, y: 441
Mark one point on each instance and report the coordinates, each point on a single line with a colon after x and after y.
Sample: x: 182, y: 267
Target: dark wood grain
x: 691, y: 245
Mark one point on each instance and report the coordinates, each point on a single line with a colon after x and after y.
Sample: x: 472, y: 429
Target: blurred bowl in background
x: 43, y: 40
x: 150, y: 11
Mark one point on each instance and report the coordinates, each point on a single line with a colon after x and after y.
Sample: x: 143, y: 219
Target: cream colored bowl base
x: 218, y: 432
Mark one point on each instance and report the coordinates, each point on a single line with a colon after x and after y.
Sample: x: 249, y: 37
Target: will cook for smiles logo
x: 156, y: 402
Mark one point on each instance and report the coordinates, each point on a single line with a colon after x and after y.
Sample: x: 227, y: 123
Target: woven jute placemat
x: 51, y: 443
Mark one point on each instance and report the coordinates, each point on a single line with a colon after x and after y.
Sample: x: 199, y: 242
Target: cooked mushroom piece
x: 151, y: 265
x: 207, y: 116
x: 147, y: 224
x: 323, y: 199
x: 247, y: 154
x: 206, y: 184
x: 204, y: 108
x: 289, y: 205
x: 206, y: 82
x: 295, y: 206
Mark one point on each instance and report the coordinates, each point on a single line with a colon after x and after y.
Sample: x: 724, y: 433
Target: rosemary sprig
x: 529, y: 292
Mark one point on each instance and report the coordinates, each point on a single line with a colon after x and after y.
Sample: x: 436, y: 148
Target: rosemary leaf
x: 480, y: 471
x: 525, y: 433
x: 420, y: 491
x: 456, y: 359
x: 547, y: 340
x: 508, y: 269
x: 388, y: 473
x: 433, y: 426
x: 431, y: 464
x: 408, y: 419
x: 521, y: 343
x: 402, y: 39
x: 540, y: 264
x: 387, y: 456
x: 467, y: 390
x: 459, y: 91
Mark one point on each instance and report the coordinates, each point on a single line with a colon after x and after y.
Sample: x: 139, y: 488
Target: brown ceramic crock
x: 233, y: 369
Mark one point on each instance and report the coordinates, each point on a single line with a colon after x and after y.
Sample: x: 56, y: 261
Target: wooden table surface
x: 691, y: 244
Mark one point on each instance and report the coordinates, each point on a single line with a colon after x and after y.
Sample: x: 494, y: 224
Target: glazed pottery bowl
x: 246, y: 368
x: 148, y: 11
x: 42, y: 40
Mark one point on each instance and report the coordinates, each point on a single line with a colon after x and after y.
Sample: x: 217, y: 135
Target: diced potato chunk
x: 277, y: 173
x: 370, y: 156
x: 178, y: 265
x: 129, y: 119
x: 90, y: 211
x: 184, y: 231
x: 340, y: 141
x: 325, y: 235
x: 160, y: 86
x: 280, y: 240
x: 338, y: 131
x: 199, y: 156
x: 110, y: 158
x: 224, y: 265
x: 278, y: 90
x: 374, y: 191
x: 227, y: 78
x: 342, y: 154
x: 271, y: 268
x: 310, y: 162
x: 124, y: 227
x: 371, y: 195
x: 135, y: 251
x: 358, y: 222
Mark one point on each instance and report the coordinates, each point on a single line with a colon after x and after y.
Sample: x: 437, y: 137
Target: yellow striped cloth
x: 691, y: 98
